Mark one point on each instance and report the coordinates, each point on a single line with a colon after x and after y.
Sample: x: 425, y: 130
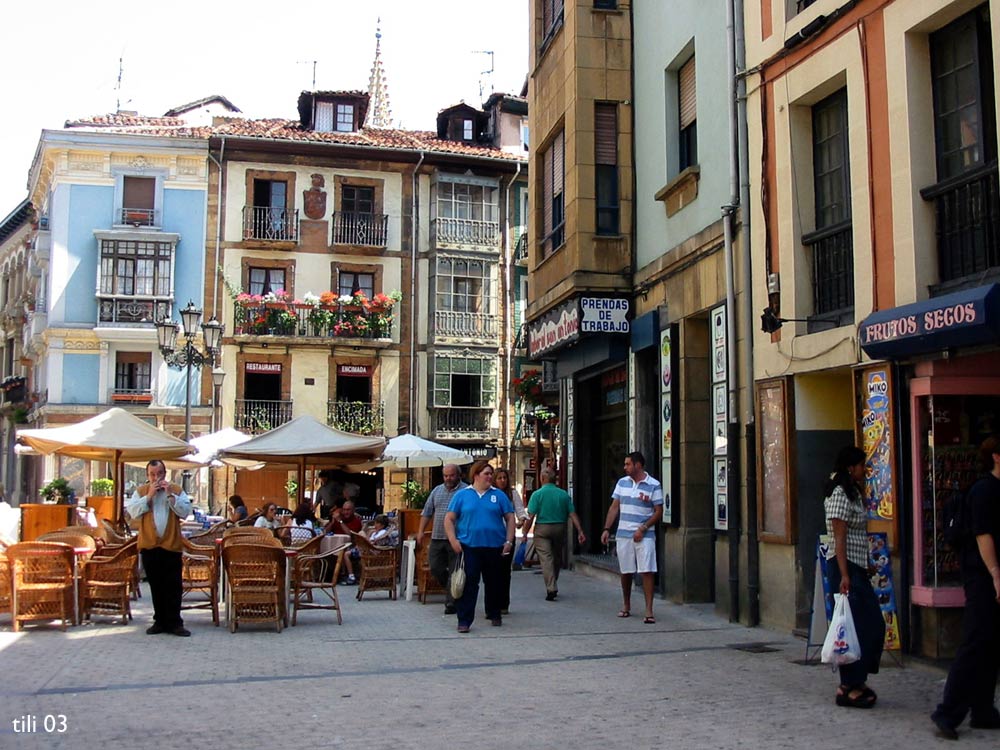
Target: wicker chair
x: 200, y: 575
x: 99, y: 534
x: 106, y: 583
x: 294, y: 536
x: 4, y: 579
x: 379, y: 566
x: 427, y: 584
x: 116, y: 533
x: 312, y: 571
x: 256, y: 580
x: 249, y: 520
x: 247, y: 530
x: 41, y: 582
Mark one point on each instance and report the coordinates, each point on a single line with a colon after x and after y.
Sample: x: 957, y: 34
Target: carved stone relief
x: 315, y: 198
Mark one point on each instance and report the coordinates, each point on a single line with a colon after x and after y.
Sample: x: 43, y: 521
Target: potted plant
x: 58, y: 491
x: 102, y: 499
x: 414, y: 494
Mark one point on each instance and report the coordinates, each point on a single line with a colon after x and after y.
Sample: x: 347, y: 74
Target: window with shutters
x: 688, y: 112
x: 139, y: 198
x: 553, y: 202
x: 133, y: 377
x: 269, y: 212
x: 606, y: 160
x: 552, y: 21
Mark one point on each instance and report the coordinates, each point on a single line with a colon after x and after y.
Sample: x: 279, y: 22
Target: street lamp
x: 189, y: 356
x: 218, y: 375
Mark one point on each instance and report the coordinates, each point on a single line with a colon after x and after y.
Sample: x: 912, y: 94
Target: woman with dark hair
x: 237, y: 508
x: 303, y: 525
x: 847, y: 566
x: 480, y: 525
x: 501, y: 480
x: 972, y: 678
x: 268, y: 517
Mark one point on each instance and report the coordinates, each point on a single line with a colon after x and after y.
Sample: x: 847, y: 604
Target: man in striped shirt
x: 637, y: 503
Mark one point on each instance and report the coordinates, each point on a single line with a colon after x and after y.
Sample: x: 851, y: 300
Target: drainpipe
x: 733, y: 426
x: 508, y: 259
x: 217, y: 310
x: 414, y: 239
x: 749, y: 413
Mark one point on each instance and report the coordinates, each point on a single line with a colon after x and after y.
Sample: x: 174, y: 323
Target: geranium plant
x: 528, y: 387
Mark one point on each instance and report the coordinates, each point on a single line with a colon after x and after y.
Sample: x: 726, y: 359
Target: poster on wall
x: 570, y: 431
x: 720, y: 415
x: 877, y: 415
x: 666, y: 423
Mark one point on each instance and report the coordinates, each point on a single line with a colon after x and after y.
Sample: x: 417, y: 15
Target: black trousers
x: 441, y: 559
x: 868, y: 622
x: 163, y: 573
x: 973, y: 675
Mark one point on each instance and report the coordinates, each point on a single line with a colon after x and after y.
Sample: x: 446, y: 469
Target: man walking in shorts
x: 637, y: 503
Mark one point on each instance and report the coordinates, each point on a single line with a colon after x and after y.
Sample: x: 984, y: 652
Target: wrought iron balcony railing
x: 124, y: 309
x: 303, y: 320
x: 466, y: 325
x: 967, y: 210
x: 521, y: 249
x: 463, y: 422
x: 467, y: 232
x: 139, y: 217
x: 833, y: 271
x: 356, y: 416
x: 369, y: 230
x: 254, y: 417
x: 265, y: 223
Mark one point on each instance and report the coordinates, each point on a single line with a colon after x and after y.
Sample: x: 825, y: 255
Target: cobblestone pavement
x: 396, y: 674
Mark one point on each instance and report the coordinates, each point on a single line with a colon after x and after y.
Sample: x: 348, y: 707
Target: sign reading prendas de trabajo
x: 604, y: 315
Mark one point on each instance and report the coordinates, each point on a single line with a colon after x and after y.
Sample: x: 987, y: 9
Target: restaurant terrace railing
x: 467, y: 232
x: 253, y: 416
x: 368, y: 230
x: 356, y: 416
x: 967, y: 212
x: 265, y: 223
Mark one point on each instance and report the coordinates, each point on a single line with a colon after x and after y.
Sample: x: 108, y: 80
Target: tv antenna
x: 307, y: 62
x: 485, y: 72
x: 118, y: 85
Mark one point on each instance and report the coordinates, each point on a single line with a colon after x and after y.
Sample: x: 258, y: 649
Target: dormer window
x: 467, y: 130
x: 345, y: 118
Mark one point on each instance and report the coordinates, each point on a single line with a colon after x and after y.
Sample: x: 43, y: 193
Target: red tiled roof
x: 288, y: 130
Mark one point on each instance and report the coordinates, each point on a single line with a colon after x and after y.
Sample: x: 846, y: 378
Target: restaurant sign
x: 966, y: 318
x: 558, y: 327
x: 359, y: 371
x: 267, y: 367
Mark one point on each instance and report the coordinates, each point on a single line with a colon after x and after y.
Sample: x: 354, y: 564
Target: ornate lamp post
x: 188, y: 356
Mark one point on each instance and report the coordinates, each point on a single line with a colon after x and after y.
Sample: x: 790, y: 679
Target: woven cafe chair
x: 117, y: 533
x: 379, y: 566
x: 247, y: 530
x: 427, y: 584
x: 99, y: 534
x: 294, y: 536
x: 4, y: 579
x: 249, y: 520
x: 84, y: 544
x: 256, y: 580
x: 41, y: 582
x: 316, y: 571
x: 200, y: 575
x: 106, y: 583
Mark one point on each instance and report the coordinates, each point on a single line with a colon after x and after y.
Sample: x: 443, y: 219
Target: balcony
x: 138, y: 217
x: 130, y: 310
x: 131, y: 396
x: 521, y: 250
x: 302, y: 320
x: 833, y: 274
x: 271, y: 224
x: 366, y: 230
x: 254, y: 417
x: 521, y: 338
x: 356, y: 416
x: 14, y: 389
x: 466, y: 324
x: 463, y: 423
x: 467, y: 232
x: 967, y: 211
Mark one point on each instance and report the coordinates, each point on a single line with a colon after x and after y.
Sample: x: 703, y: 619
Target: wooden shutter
x: 139, y: 192
x: 558, y: 151
x: 687, y: 99
x: 547, y: 191
x: 606, y: 133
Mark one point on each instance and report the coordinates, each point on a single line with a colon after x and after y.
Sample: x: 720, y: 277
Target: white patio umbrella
x: 413, y: 452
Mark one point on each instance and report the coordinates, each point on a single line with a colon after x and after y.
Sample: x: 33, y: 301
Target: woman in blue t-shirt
x: 480, y: 524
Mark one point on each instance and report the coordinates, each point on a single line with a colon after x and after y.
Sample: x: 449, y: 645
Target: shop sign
x: 555, y: 329
x: 481, y: 452
x: 604, y: 315
x: 965, y: 318
x: 265, y: 367
x: 360, y: 371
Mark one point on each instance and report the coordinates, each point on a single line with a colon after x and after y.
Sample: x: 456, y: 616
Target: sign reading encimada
x: 564, y: 324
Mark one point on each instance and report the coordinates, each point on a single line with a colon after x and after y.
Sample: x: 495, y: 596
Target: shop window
x: 606, y: 160
x: 831, y: 243
x: 553, y: 206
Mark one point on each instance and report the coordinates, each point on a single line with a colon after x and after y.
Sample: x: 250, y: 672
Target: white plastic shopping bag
x: 841, y: 645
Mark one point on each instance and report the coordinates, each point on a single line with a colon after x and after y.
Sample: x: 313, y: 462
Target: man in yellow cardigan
x: 160, y: 506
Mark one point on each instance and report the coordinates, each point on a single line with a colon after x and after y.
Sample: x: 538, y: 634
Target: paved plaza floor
x: 396, y: 674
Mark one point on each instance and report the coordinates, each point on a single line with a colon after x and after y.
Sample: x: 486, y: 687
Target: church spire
x: 379, y: 113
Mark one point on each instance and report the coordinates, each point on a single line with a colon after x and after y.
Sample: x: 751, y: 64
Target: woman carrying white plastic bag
x: 847, y: 522
x: 841, y: 644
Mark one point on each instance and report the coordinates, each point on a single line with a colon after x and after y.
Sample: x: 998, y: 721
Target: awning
x: 970, y: 317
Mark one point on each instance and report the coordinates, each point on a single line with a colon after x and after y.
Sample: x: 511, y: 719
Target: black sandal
x: 865, y: 697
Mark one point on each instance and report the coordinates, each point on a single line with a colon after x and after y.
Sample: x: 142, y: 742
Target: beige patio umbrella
x: 305, y: 441
x: 116, y: 436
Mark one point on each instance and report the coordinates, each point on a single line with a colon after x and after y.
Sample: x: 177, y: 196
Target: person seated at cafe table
x: 383, y: 533
x: 303, y: 525
x: 344, y: 520
x: 237, y: 509
x: 269, y: 518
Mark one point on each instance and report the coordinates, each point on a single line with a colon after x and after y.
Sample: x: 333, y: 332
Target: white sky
x: 59, y: 59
